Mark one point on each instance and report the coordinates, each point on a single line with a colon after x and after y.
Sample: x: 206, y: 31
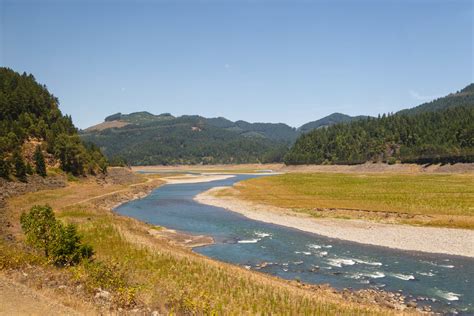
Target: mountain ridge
x: 144, y: 138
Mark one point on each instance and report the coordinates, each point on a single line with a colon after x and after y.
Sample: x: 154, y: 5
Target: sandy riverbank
x: 426, y: 239
x: 368, y: 167
x: 191, y: 178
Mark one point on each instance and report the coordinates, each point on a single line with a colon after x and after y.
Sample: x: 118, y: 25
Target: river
x: 444, y: 282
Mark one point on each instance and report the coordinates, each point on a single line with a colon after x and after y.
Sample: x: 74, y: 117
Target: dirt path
x: 18, y: 299
x: 148, y: 180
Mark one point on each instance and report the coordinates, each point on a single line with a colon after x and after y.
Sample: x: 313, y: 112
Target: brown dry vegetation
x: 444, y: 200
x: 362, y: 168
x: 152, y: 271
x: 106, y: 125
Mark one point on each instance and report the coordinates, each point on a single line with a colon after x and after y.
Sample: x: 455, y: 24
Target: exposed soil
x: 19, y: 299
x: 381, y: 167
x: 362, y: 168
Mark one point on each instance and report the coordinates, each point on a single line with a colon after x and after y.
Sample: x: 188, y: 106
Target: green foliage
x: 445, y: 136
x: 28, y: 110
x: 66, y: 248
x: 329, y: 120
x: 20, y: 166
x: 39, y: 161
x: 39, y: 226
x: 29, y: 169
x: 5, y: 168
x: 117, y: 162
x: 183, y: 140
x: 60, y: 244
x: 464, y: 97
x: 391, y: 160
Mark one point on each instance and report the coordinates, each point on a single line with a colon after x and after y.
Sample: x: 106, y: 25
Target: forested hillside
x: 143, y: 138
x: 463, y: 97
x: 428, y: 137
x: 183, y: 140
x: 329, y: 120
x: 29, y: 114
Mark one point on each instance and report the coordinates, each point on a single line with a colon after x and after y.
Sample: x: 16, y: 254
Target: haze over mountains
x: 143, y: 138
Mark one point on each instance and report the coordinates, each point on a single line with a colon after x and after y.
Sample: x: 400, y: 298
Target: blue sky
x: 272, y: 61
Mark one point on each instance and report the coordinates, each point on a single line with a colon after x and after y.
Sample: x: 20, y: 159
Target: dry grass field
x: 445, y: 200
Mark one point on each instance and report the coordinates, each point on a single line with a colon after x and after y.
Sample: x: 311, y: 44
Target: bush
x: 392, y: 160
x: 61, y: 244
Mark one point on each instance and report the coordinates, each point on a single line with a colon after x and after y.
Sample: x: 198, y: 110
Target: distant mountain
x: 274, y: 131
x: 329, y: 120
x: 464, y: 97
x: 143, y: 138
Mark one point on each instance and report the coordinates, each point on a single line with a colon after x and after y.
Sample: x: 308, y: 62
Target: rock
x: 412, y: 304
x: 62, y: 287
x: 102, y: 294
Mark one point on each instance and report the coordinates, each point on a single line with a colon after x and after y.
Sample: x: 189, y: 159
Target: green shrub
x: 392, y: 160
x: 61, y: 244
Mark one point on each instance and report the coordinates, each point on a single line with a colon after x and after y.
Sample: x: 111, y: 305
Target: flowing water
x: 444, y: 282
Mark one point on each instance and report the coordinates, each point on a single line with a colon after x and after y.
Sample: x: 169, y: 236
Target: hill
x: 30, y: 116
x: 143, y: 138
x: 436, y: 132
x: 463, y: 97
x: 329, y: 120
x: 183, y: 140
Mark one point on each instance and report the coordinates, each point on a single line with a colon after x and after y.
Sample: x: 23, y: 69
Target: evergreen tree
x: 28, y: 110
x: 39, y: 162
x: 444, y: 136
x: 4, y: 167
x: 29, y: 169
x: 20, y: 166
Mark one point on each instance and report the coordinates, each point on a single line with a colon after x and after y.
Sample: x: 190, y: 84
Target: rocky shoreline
x: 449, y: 241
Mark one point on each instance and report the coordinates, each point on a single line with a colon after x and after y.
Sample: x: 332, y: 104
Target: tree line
x: 444, y: 136
x: 28, y: 111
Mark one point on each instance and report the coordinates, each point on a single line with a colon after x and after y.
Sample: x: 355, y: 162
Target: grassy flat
x: 435, y: 199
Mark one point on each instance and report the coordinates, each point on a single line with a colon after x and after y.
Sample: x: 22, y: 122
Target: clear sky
x: 272, y: 61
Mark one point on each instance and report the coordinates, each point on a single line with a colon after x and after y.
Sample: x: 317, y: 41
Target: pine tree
x: 4, y: 167
x: 39, y: 162
x: 20, y: 167
x: 29, y: 168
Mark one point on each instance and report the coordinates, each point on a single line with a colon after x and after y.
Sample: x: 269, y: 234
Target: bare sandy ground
x: 190, y: 178
x: 362, y: 168
x: 18, y: 299
x: 426, y: 239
